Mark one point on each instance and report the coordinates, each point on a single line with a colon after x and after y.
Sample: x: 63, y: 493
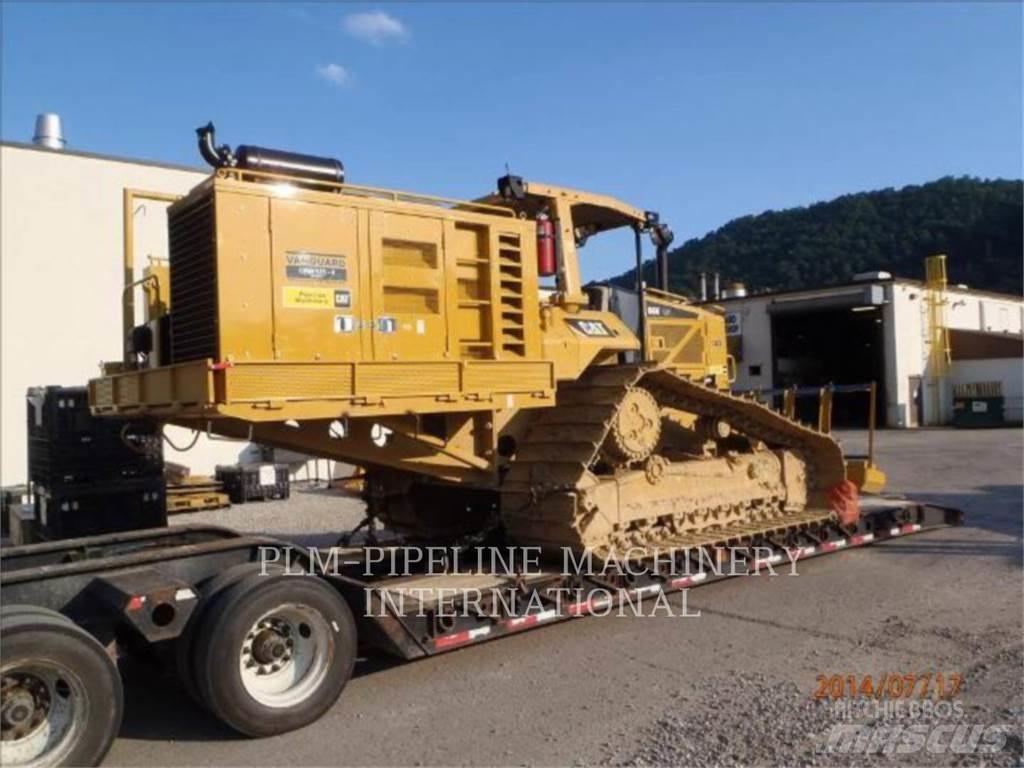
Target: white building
x: 879, y: 330
x: 61, y: 279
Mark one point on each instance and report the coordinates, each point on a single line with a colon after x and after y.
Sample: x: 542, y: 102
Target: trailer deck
x: 67, y: 575
x: 883, y: 519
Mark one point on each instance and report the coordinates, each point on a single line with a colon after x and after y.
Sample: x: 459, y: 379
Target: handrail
x: 839, y: 389
x: 128, y: 299
x: 143, y: 279
x: 128, y: 198
x: 666, y: 295
x: 825, y: 393
x: 361, y: 191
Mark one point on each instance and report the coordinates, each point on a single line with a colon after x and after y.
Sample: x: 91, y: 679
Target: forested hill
x: 977, y: 223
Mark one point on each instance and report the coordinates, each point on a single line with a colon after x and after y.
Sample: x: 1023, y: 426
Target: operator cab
x: 671, y: 331
x: 566, y: 219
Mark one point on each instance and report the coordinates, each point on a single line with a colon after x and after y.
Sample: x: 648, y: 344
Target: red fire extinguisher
x: 546, y: 265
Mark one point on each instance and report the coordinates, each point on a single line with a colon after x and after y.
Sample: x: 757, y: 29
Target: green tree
x: 977, y: 223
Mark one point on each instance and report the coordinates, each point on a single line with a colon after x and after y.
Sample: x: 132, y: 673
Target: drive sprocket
x: 634, y: 430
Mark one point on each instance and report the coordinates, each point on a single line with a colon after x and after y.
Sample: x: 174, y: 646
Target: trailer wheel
x: 274, y: 653
x: 61, y: 699
x: 186, y: 642
x: 20, y: 609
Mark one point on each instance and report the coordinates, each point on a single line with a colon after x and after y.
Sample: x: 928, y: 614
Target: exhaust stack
x: 49, y: 131
x: 247, y: 157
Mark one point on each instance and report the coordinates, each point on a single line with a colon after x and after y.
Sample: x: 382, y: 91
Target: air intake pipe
x: 662, y: 237
x: 249, y: 158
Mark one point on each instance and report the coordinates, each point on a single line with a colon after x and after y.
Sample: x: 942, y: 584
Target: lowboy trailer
x: 265, y: 634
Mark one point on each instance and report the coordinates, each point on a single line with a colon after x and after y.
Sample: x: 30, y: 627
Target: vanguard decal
x: 305, y: 265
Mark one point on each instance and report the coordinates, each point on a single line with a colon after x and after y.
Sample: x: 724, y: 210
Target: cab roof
x: 596, y: 213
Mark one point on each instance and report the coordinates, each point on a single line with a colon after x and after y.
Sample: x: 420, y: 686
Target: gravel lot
x: 732, y: 687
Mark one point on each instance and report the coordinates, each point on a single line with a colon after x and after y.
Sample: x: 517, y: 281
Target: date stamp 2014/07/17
x: 938, y: 685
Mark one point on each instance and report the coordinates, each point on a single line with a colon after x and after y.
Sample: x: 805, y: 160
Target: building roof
x: 107, y: 158
x: 859, y: 283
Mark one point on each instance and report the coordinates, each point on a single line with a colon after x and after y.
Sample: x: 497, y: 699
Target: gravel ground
x: 756, y: 719
x: 733, y: 687
x: 313, y: 516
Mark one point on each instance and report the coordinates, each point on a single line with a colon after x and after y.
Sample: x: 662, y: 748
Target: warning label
x: 305, y: 265
x: 308, y: 298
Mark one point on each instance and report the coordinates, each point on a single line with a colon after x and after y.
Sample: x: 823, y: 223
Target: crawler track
x: 556, y: 493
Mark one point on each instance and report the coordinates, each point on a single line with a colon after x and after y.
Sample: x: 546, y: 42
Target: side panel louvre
x: 193, y: 281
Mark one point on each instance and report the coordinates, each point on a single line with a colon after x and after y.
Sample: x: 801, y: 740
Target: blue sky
x: 701, y: 111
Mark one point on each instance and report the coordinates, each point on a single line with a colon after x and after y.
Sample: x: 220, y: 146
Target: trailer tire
x: 21, y: 609
x: 275, y: 653
x: 56, y: 673
x: 185, y: 644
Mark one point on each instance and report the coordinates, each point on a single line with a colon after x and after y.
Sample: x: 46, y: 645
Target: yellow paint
x: 866, y: 476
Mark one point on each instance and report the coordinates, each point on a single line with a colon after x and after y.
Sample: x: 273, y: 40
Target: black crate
x: 79, y: 460
x: 92, y: 510
x: 57, y: 412
x: 250, y: 482
x: 11, y: 496
x: 50, y: 412
x: 68, y: 447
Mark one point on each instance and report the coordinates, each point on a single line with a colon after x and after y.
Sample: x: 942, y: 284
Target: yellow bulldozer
x: 451, y: 350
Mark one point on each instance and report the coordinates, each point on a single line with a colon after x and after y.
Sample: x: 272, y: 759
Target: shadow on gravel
x: 997, y: 508
x: 946, y: 547
x: 156, y: 708
x: 373, y: 664
x: 171, y: 715
x: 323, y: 490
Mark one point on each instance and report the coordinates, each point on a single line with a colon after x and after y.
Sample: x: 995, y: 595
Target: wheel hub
x: 268, y: 646
x: 25, y: 705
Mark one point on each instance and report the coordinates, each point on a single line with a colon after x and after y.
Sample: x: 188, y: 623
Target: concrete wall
x: 987, y: 314
x: 905, y: 350
x: 61, y: 278
x: 756, y: 343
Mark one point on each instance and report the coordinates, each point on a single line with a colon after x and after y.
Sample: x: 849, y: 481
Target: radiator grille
x: 692, y: 352
x: 193, y: 281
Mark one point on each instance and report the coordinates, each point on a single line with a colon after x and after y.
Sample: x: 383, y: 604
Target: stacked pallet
x: 978, y: 389
x: 194, y: 494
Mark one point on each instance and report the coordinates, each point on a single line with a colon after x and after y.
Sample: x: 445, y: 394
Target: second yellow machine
x: 450, y: 349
